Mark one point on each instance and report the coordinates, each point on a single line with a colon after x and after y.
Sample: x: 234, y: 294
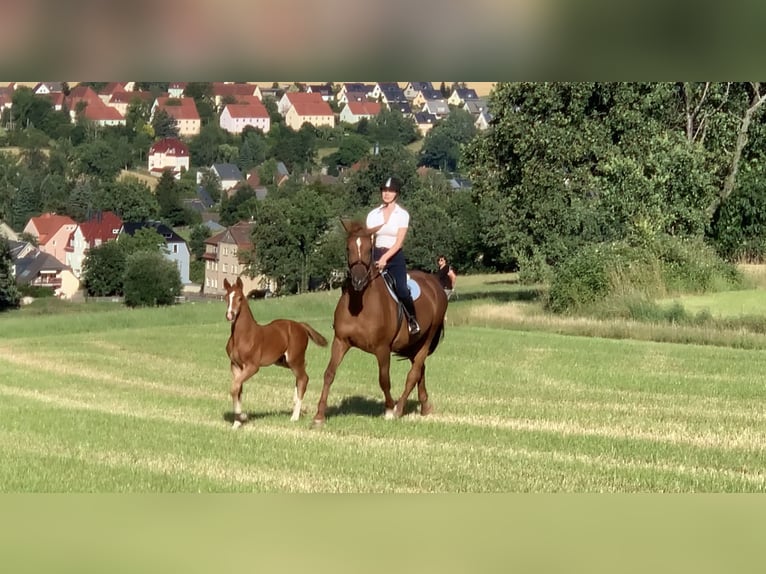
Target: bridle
x: 370, y: 268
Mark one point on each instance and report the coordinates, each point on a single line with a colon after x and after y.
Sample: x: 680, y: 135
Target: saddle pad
x: 413, y: 286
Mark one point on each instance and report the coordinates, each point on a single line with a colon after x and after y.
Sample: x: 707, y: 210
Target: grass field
x: 106, y: 399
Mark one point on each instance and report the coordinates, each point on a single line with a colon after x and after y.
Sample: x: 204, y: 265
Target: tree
x: 169, y: 199
x: 442, y: 146
x: 390, y: 127
x: 566, y: 165
x: 131, y: 199
x: 287, y: 236
x: 164, y: 125
x: 99, y: 158
x: 199, y: 233
x: 103, y: 269
x: 150, y: 280
x: 352, y: 148
x: 9, y: 292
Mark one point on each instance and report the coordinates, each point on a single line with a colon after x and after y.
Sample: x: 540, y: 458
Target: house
x: 83, y: 101
x: 403, y: 108
x: 56, y: 99
x: 176, y: 249
x: 304, y: 111
x: 228, y: 174
x: 352, y: 112
x: 231, y: 91
x: 459, y: 96
x: 412, y: 89
x: 346, y: 97
x: 120, y: 101
x: 438, y: 108
x: 288, y: 100
x: 475, y: 107
x: 52, y: 233
x: 40, y: 269
x: 176, y: 89
x: 20, y: 249
x: 324, y: 89
x: 168, y: 153
x: 253, y: 181
x: 109, y: 90
x: 224, y: 259
x: 235, y: 117
x: 424, y: 95
x: 483, y: 120
x: 425, y: 122
x: 7, y: 232
x: 356, y: 87
x: 183, y: 110
x: 388, y: 92
x: 92, y: 233
x: 43, y: 88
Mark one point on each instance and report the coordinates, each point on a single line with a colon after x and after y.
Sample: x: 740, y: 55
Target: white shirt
x: 386, y: 236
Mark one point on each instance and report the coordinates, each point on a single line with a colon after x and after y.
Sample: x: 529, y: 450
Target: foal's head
x: 235, y: 298
x: 359, y: 253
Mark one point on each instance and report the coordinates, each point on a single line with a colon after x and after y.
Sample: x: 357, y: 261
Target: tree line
x: 562, y: 167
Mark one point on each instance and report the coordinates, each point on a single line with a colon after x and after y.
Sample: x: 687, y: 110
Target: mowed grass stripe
x: 503, y: 461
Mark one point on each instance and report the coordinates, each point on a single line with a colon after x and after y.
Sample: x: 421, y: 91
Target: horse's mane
x: 354, y: 228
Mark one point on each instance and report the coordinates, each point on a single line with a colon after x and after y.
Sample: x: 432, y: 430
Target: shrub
x: 150, y: 280
x: 616, y: 277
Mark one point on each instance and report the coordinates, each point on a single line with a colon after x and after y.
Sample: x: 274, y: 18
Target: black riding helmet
x: 393, y: 183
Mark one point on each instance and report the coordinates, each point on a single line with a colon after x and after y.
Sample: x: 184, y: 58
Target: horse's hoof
x: 294, y: 418
x: 317, y: 424
x: 426, y: 409
x: 390, y: 414
x: 236, y: 425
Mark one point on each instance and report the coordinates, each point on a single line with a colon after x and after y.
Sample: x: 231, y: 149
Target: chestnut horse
x: 251, y: 346
x: 367, y: 317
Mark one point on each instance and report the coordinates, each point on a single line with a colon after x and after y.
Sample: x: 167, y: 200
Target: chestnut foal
x: 251, y: 346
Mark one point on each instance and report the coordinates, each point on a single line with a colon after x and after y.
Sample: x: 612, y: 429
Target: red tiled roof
x: 170, y: 146
x: 364, y: 108
x: 104, y: 227
x: 253, y: 110
x: 123, y: 97
x: 48, y: 224
x: 313, y: 108
x: 295, y: 97
x: 186, y: 110
x: 223, y: 89
x: 112, y: 87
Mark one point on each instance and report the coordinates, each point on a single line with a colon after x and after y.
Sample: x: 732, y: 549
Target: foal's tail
x: 314, y: 335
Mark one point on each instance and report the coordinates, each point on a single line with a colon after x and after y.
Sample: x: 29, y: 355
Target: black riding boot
x: 409, y: 306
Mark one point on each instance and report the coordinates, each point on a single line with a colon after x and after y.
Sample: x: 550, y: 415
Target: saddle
x: 412, y: 285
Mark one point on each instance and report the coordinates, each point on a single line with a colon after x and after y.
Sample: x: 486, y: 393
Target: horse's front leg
x: 384, y: 379
x: 239, y: 376
x: 339, y: 350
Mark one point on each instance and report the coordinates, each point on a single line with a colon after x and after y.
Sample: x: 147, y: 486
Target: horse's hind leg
x: 415, y: 376
x: 425, y: 406
x: 301, y: 382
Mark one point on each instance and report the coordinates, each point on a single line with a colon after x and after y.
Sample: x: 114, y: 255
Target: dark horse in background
x: 251, y: 346
x: 367, y: 317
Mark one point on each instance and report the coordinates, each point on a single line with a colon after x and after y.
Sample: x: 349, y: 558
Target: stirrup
x: 413, y: 326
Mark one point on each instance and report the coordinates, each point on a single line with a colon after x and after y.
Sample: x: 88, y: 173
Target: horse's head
x: 359, y: 253
x: 235, y: 298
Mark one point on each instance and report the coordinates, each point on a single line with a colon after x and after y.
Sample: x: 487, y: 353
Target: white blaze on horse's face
x: 359, y: 247
x: 230, y: 307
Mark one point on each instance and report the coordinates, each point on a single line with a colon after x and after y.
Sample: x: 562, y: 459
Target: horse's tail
x: 314, y: 335
x: 438, y: 336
